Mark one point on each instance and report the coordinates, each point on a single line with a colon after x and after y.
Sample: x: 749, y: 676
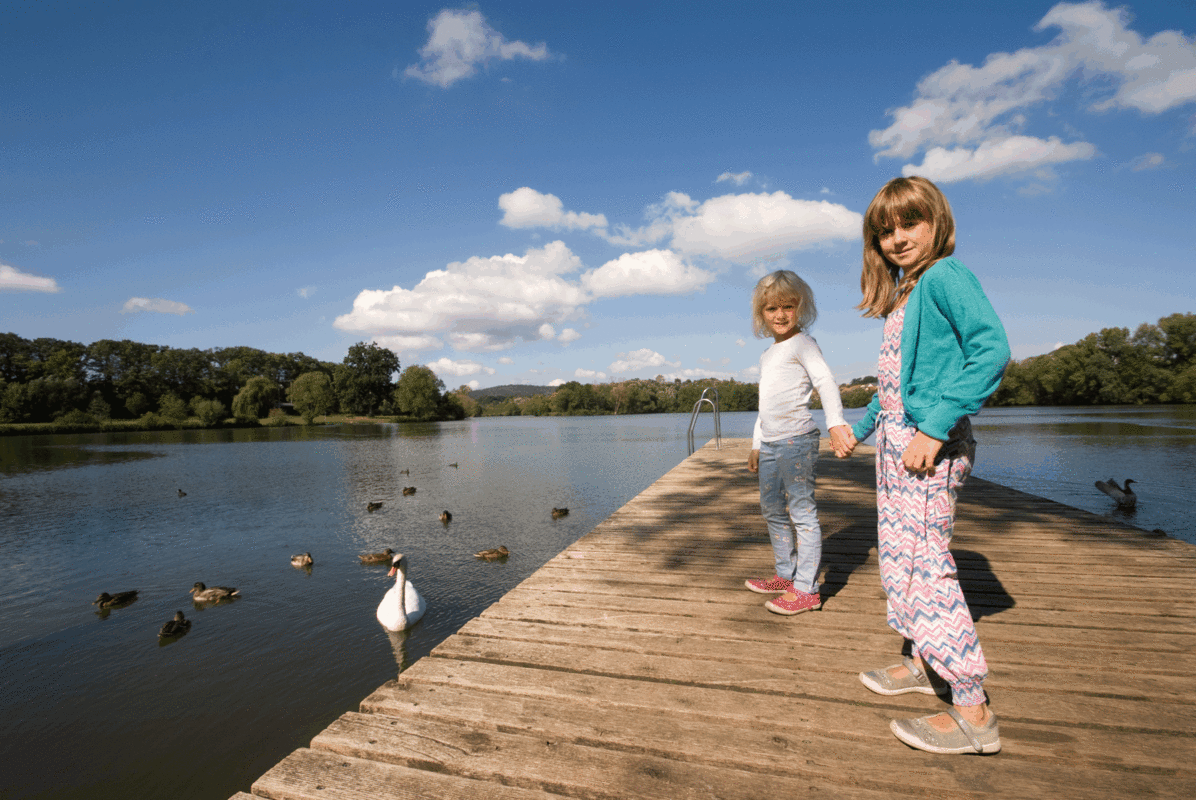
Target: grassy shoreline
x: 189, y: 424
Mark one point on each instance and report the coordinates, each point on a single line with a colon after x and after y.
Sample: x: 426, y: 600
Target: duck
x: 117, y: 600
x: 302, y: 560
x: 377, y: 558
x: 182, y: 493
x: 1124, y: 495
x: 446, y: 517
x: 175, y: 627
x: 557, y: 513
x: 373, y: 506
x: 408, y: 491
x: 401, y: 606
x: 493, y: 554
x: 454, y: 464
x: 215, y: 594
x: 404, y: 472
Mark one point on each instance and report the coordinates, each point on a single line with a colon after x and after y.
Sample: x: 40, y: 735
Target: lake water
x: 93, y: 706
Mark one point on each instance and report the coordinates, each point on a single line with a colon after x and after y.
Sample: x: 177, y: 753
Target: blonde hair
x: 904, y: 200
x: 777, y: 287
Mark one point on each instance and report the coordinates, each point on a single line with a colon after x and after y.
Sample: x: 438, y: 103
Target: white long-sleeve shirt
x: 790, y: 371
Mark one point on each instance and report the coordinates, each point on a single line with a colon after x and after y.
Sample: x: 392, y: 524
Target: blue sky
x: 538, y: 192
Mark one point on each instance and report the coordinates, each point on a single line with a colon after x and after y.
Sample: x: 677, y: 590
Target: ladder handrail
x: 693, y: 419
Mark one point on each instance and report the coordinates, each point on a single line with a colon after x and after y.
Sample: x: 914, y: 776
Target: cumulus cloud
x: 647, y: 272
x: 527, y: 208
x: 969, y: 121
x: 640, y: 359
x: 13, y: 279
x: 742, y: 227
x: 458, y: 369
x: 996, y: 157
x: 408, y: 344
x: 557, y: 382
x: 506, y: 360
x: 135, y: 305
x: 738, y: 178
x: 1148, y: 161
x: 459, y: 42
x: 588, y: 374
x: 482, y: 304
x: 568, y: 335
x: 741, y: 342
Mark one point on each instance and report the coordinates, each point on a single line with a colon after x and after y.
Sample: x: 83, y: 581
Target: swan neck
x: 401, y: 590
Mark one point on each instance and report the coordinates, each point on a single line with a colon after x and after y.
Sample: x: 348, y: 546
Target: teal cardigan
x: 953, y: 352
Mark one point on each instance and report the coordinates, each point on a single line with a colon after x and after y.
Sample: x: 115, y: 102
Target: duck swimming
x: 117, y: 600
x: 494, y: 554
x: 377, y: 558
x: 1124, y: 496
x: 557, y: 513
x: 182, y: 493
x: 401, y: 606
x: 446, y: 517
x: 215, y: 594
x: 373, y: 506
x: 301, y: 561
x: 408, y: 491
x: 175, y: 627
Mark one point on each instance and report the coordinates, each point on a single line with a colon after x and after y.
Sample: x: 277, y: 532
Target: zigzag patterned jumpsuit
x: 915, y: 517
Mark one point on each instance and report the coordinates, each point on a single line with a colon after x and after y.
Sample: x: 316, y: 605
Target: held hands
x: 920, y: 455
x: 754, y: 461
x: 843, y: 441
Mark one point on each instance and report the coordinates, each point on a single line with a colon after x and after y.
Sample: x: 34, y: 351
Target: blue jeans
x: 787, y: 503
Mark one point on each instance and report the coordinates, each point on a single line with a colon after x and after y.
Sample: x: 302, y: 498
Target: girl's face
x: 780, y: 313
x: 907, y: 244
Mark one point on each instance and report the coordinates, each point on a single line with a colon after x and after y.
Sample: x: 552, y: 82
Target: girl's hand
x: 919, y: 456
x: 843, y: 441
x: 754, y: 461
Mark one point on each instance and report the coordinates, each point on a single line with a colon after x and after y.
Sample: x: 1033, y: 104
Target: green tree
x: 418, y: 392
x: 210, y: 412
x: 365, y: 379
x: 255, y: 398
x: 312, y: 395
x: 172, y: 407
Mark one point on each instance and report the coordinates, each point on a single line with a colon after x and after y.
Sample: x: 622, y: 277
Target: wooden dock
x: 636, y: 665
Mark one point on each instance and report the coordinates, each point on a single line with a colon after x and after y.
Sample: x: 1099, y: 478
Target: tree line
x: 52, y: 380
x: 1157, y: 364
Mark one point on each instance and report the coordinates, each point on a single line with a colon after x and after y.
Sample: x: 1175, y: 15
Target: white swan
x: 402, y: 606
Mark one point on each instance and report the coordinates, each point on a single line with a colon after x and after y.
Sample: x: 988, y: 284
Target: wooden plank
x: 635, y: 665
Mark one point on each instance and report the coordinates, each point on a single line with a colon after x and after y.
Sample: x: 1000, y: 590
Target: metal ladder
x: 693, y: 419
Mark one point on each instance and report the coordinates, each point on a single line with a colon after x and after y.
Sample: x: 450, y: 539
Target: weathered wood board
x: 636, y: 665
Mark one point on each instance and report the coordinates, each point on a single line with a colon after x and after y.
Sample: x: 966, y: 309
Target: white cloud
x: 568, y: 335
x: 457, y: 369
x: 305, y: 291
x: 527, y: 208
x: 996, y: 157
x: 738, y: 178
x: 458, y: 42
x: 135, y: 305
x: 482, y: 304
x: 506, y: 360
x: 741, y: 342
x: 969, y: 120
x: 640, y: 359
x: 408, y: 344
x: 647, y: 272
x: 1148, y: 161
x: 13, y: 279
x: 546, y: 331
x: 589, y: 374
x: 742, y: 227
x: 557, y: 382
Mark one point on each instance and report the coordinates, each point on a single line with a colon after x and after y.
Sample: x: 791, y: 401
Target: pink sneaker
x: 773, y: 585
x: 803, y: 602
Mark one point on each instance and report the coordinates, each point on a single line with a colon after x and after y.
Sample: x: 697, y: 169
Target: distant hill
x: 511, y: 390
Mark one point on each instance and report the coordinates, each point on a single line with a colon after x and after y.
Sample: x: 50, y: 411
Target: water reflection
x: 398, y: 643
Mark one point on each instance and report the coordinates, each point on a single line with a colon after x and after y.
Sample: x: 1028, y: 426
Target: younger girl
x: 943, y: 354
x: 785, y: 440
